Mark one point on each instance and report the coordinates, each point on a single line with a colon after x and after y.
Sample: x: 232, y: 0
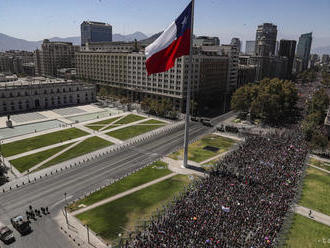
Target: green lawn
x: 29, y: 144
x: 198, y: 154
x: 130, y: 118
x: 88, y: 145
x: 132, y: 131
x: 316, y: 191
x: 307, y: 233
x: 100, y: 124
x: 321, y: 164
x: 152, y: 121
x: 156, y: 170
x: 27, y: 162
x: 109, y: 219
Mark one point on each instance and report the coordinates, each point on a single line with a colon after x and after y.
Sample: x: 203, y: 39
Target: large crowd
x: 243, y: 203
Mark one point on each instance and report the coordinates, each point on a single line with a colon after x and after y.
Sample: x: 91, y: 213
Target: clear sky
x: 39, y: 19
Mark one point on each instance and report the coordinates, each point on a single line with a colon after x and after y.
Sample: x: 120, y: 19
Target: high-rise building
x: 231, y: 51
x: 206, y: 41
x: 95, y: 32
x: 236, y: 42
x: 288, y: 49
x: 250, y: 47
x: 325, y: 59
x: 266, y: 39
x: 304, y: 49
x: 54, y: 55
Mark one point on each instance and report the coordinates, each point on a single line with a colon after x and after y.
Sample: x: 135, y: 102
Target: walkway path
x: 54, y: 156
x: 317, y: 216
x: 326, y: 171
x: 128, y: 192
x: 230, y: 136
x: 108, y: 125
x: 320, y: 158
x: 177, y: 167
x: 48, y: 147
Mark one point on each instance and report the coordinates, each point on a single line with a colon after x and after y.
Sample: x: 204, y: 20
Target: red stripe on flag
x: 165, y: 59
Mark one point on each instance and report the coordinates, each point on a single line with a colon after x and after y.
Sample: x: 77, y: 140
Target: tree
x: 272, y: 100
x: 243, y: 97
x: 319, y: 102
x: 319, y: 140
x: 103, y: 91
x: 3, y: 171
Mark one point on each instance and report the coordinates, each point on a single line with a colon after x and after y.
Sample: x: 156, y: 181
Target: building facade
x: 325, y: 59
x: 250, y: 47
x: 126, y: 72
x: 288, y: 49
x: 95, y: 32
x: 246, y: 74
x: 269, y: 66
x: 206, y: 41
x: 53, y: 56
x: 232, y: 52
x: 25, y: 95
x: 304, y: 49
x: 266, y: 39
x: 12, y: 61
x: 236, y: 42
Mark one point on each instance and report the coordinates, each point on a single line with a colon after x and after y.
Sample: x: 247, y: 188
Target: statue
x: 8, y: 116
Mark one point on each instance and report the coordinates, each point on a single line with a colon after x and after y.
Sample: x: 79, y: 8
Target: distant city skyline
x: 224, y: 19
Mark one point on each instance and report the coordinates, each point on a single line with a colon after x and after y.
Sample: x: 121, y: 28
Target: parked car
x: 6, y: 235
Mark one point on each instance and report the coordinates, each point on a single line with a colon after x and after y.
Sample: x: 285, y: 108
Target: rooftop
x: 33, y: 81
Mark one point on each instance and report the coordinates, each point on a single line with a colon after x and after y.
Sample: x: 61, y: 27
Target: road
x: 78, y: 181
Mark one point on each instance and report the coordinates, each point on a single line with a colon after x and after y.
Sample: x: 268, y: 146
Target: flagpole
x: 187, y: 119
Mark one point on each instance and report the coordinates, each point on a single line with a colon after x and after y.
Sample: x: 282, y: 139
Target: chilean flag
x: 173, y: 43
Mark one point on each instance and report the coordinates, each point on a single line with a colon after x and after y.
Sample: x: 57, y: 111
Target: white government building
x: 39, y: 93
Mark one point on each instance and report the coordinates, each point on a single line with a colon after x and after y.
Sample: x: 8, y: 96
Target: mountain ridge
x: 11, y: 43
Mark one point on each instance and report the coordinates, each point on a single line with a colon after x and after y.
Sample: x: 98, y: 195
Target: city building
x: 269, y: 66
x: 232, y: 52
x: 314, y: 60
x: 246, y: 74
x: 250, y: 47
x: 266, y: 39
x: 29, y: 69
x: 54, y: 55
x: 205, y: 41
x: 125, y: 72
x: 67, y: 73
x: 236, y: 42
x: 303, y: 51
x: 95, y: 32
x: 277, y: 48
x: 119, y: 46
x: 288, y: 49
x: 325, y: 59
x: 12, y: 61
x: 28, y: 94
x: 7, y: 77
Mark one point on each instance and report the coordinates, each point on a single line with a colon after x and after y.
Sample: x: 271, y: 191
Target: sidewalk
x: 317, y: 216
x: 128, y: 192
x: 230, y: 136
x: 77, y: 233
x: 177, y: 167
x: 326, y: 171
x: 319, y: 158
x: 54, y: 156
